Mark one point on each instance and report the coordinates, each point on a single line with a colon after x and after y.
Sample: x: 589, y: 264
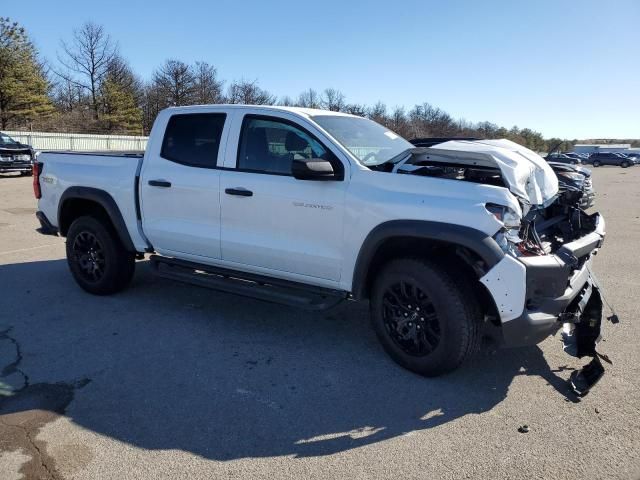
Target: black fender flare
x: 106, y: 201
x: 478, y: 242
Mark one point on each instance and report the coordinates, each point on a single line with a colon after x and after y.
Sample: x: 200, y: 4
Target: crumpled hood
x: 527, y: 174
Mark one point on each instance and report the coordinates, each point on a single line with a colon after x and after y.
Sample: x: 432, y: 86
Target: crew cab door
x: 180, y: 186
x: 270, y: 220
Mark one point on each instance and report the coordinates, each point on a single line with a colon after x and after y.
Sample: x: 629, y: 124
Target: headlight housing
x: 505, y: 215
x: 508, y: 236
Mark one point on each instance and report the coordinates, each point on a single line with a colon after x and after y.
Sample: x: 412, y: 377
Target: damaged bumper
x: 557, y: 289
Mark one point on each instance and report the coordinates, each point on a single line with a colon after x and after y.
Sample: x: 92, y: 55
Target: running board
x: 247, y: 284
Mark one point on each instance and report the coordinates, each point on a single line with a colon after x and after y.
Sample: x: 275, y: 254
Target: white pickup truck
x: 310, y: 207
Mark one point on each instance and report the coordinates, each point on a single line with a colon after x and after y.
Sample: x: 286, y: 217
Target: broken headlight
x: 508, y: 236
x: 504, y: 215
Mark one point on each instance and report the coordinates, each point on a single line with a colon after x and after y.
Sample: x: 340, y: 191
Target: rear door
x: 180, y: 186
x: 271, y: 221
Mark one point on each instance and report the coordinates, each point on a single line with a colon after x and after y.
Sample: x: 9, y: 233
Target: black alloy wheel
x: 89, y: 255
x: 411, y: 319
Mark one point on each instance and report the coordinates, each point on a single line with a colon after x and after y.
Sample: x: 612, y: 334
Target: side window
x: 193, y: 139
x: 271, y: 145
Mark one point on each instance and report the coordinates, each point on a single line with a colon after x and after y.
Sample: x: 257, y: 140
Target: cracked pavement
x: 172, y: 381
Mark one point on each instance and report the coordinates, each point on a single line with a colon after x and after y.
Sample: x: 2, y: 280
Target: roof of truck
x: 309, y: 112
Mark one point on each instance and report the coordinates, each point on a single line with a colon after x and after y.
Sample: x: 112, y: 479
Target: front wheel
x: 97, y: 259
x: 426, y: 320
x: 596, y: 163
x: 624, y: 164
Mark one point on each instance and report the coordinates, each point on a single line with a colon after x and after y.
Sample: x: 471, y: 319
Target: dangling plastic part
x: 583, y: 380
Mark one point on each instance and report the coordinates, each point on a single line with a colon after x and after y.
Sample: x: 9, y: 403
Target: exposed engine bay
x: 544, y: 227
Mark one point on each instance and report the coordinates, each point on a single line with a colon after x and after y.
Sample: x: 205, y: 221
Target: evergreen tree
x: 121, y: 111
x: 23, y: 85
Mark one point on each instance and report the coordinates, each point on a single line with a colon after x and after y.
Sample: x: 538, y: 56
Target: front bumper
x: 557, y: 288
x: 14, y: 166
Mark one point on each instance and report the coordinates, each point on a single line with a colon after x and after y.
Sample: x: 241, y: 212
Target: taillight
x: 37, y: 168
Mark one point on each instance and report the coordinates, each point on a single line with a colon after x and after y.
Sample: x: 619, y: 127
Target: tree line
x: 91, y: 88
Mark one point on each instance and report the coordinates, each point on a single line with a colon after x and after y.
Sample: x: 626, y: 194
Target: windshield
x: 368, y: 141
x: 6, y: 140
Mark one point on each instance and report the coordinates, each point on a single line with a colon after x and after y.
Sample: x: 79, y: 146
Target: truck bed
x: 115, y: 173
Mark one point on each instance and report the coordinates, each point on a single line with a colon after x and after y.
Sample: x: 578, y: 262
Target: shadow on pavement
x: 170, y: 366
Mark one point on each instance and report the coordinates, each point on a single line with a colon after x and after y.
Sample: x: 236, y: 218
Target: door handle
x: 159, y: 183
x: 243, y: 192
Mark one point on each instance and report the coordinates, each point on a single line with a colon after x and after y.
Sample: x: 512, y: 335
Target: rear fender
x: 102, y: 198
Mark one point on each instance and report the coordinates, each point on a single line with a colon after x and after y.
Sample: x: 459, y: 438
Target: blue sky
x: 564, y: 68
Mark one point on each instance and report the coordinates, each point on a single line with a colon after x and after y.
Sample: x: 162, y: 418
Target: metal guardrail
x: 79, y: 141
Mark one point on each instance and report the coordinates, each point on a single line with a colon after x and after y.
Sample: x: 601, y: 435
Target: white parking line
x: 28, y: 249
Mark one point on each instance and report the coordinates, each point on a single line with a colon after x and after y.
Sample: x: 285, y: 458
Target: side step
x: 247, y: 284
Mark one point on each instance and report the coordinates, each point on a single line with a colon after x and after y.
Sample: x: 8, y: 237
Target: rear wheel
x: 97, y: 259
x: 427, y: 321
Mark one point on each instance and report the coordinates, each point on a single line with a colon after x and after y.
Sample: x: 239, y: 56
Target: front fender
x: 476, y: 241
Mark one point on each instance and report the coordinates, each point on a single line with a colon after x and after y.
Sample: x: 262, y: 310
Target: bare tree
x: 398, y: 121
x: 176, y: 83
x: 309, y: 99
x: 378, y: 113
x: 333, y: 100
x: 152, y: 103
x: 286, y: 101
x: 85, y: 60
x: 67, y: 95
x: 207, y: 88
x: 356, y: 109
x: 249, y: 93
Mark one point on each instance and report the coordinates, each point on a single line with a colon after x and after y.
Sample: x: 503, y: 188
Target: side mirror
x: 312, y: 169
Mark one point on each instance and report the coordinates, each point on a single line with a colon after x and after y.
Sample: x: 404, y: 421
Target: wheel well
x: 449, y: 255
x: 74, y: 208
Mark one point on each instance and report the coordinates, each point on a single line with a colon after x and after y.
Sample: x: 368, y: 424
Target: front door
x: 273, y: 221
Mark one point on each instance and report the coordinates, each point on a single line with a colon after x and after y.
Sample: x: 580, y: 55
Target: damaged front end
x: 545, y: 279
x: 556, y: 244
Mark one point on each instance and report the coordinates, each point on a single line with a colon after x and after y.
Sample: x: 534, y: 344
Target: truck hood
x: 525, y: 173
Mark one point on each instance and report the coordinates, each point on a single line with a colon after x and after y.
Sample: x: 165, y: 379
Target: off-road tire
x: 454, y: 303
x: 117, y: 264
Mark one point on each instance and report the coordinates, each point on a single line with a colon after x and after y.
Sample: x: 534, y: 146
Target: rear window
x: 193, y: 139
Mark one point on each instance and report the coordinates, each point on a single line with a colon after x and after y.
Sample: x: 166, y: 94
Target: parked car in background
x: 577, y: 179
x: 611, y: 158
x: 15, y: 156
x: 568, y: 158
